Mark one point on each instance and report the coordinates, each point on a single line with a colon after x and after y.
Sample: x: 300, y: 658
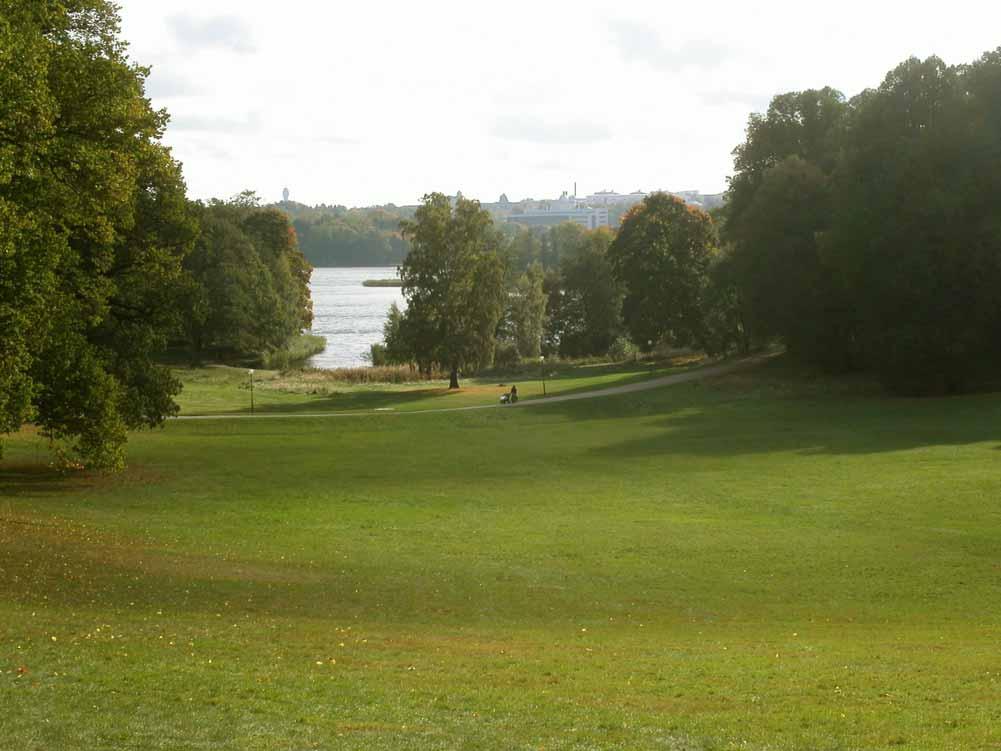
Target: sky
x: 375, y: 102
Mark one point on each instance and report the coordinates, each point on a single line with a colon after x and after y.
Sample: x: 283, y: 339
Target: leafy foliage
x: 864, y: 233
x: 93, y: 227
x: 453, y: 281
x: 662, y: 255
x: 337, y: 236
x: 586, y: 298
x: 527, y: 303
x: 249, y: 291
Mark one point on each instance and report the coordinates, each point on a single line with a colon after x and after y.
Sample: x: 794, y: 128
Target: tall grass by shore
x: 296, y: 352
x: 371, y: 374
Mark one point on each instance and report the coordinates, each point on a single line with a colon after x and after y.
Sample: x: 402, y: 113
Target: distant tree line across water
x: 338, y: 236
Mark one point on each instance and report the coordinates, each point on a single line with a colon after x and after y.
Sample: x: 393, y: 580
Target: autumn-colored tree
x: 662, y: 256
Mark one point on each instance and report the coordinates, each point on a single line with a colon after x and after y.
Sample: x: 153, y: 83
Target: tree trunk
x: 453, y: 379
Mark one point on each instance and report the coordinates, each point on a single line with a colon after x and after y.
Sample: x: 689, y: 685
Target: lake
x: 349, y: 315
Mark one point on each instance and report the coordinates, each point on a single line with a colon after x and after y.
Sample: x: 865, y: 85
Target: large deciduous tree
x: 916, y: 226
x: 777, y: 215
x: 93, y: 227
x: 588, y: 313
x: 662, y: 256
x: 866, y: 234
x: 528, y: 311
x: 453, y: 281
x: 249, y: 291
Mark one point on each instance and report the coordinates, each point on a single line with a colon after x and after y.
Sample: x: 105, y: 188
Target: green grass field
x: 226, y: 390
x: 763, y: 561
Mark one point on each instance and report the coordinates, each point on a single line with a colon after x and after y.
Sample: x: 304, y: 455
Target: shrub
x: 622, y: 349
x: 506, y: 355
x: 378, y: 355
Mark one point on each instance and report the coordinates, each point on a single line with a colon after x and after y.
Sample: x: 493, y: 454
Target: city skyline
x: 386, y: 102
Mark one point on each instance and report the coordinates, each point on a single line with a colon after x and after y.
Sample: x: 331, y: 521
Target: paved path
x: 698, y: 374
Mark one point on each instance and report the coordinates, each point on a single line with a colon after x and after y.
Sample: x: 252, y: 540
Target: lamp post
x: 251, y: 372
x: 542, y: 372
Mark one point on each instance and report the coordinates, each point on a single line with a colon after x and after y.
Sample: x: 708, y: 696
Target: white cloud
x: 533, y: 130
x: 638, y: 42
x: 222, y: 126
x: 364, y: 103
x: 216, y: 32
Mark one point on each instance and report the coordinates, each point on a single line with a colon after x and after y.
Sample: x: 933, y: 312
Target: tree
x: 249, y: 291
x: 590, y: 309
x: 792, y: 288
x: 915, y: 227
x: 778, y: 213
x: 453, y: 281
x: 662, y: 256
x: 528, y: 311
x: 93, y: 227
x: 398, y: 350
x: 866, y: 234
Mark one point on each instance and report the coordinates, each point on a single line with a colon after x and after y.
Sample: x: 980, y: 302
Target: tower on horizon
x: 285, y: 195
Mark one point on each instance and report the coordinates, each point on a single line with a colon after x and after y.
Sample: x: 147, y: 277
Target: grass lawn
x: 226, y: 390
x: 758, y: 562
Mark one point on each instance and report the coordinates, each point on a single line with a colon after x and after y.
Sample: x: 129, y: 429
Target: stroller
x: 511, y: 397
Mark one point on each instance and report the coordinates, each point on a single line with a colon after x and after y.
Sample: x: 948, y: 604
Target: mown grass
x: 224, y: 390
x: 759, y: 562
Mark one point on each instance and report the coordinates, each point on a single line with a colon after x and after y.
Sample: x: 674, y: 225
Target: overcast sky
x: 374, y: 102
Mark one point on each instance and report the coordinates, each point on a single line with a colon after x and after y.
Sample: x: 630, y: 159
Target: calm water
x: 349, y: 315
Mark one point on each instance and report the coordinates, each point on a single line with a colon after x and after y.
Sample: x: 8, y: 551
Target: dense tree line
x: 468, y: 306
x: 103, y: 260
x: 866, y: 234
x: 337, y: 236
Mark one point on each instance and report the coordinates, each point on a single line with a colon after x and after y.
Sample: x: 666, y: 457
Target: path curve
x: 699, y: 374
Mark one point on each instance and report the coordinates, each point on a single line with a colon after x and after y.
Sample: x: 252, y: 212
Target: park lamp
x: 251, y: 374
x: 542, y: 370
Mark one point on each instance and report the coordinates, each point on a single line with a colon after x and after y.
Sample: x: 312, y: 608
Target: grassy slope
x: 688, y: 568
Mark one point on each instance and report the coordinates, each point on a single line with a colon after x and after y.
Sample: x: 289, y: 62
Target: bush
x: 378, y: 355
x: 506, y: 355
x: 622, y: 349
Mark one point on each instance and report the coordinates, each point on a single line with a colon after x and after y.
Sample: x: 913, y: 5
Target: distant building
x: 564, y: 209
x: 611, y: 198
x: 285, y: 195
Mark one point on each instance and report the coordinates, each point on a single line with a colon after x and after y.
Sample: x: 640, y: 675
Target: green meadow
x: 218, y: 390
x: 769, y: 560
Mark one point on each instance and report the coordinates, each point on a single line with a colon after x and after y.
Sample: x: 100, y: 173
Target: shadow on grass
x: 32, y: 480
x: 711, y: 419
x: 345, y: 401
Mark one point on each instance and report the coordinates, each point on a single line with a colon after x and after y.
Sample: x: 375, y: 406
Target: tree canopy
x: 93, y: 227
x: 453, y: 282
x: 249, y: 283
x: 662, y: 256
x: 865, y: 234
